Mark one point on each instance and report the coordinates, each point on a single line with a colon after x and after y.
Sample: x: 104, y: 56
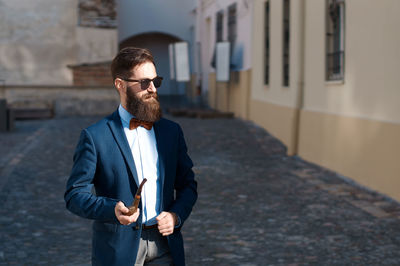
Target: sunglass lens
x: 145, y: 84
x: 157, y: 82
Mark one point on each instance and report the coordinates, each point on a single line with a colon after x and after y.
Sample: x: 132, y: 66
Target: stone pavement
x: 256, y: 205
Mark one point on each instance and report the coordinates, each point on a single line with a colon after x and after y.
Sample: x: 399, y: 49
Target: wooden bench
x: 7, y: 117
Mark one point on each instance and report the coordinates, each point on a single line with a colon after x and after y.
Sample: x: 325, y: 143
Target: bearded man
x: 115, y: 155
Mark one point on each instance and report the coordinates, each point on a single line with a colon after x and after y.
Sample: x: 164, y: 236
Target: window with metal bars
x: 286, y: 42
x: 266, y: 43
x: 232, y: 31
x: 219, y: 26
x: 335, y: 12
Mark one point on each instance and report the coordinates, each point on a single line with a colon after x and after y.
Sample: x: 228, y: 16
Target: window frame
x: 286, y: 43
x: 219, y: 26
x: 232, y: 24
x: 267, y: 41
x: 335, y: 41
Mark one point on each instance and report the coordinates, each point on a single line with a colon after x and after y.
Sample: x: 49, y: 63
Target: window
x: 286, y: 42
x: 219, y: 26
x: 335, y: 40
x: 232, y: 25
x: 266, y: 32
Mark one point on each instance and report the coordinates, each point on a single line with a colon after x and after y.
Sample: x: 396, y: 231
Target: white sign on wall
x: 171, y: 61
x: 182, y: 61
x: 223, y: 58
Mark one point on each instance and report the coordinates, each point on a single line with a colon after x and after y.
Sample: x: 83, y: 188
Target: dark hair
x: 128, y: 58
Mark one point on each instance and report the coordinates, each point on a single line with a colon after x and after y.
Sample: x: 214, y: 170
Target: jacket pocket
x: 105, y: 227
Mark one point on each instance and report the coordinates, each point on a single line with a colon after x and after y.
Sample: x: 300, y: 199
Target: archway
x: 158, y: 43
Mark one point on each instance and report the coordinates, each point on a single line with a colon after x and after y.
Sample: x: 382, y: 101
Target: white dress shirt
x: 144, y: 151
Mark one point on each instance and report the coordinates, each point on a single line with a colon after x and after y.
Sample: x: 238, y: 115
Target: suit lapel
x: 161, y: 158
x: 120, y: 138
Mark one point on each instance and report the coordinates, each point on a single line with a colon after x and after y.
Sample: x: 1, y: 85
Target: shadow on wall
x: 237, y: 57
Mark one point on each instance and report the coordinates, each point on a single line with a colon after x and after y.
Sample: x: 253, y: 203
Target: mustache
x: 145, y: 107
x: 150, y: 95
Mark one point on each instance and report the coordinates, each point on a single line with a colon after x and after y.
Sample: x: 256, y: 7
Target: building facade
x: 39, y: 39
x: 155, y: 24
x: 321, y: 75
x: 224, y: 21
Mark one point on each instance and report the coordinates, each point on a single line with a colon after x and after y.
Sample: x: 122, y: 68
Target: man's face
x: 140, y: 101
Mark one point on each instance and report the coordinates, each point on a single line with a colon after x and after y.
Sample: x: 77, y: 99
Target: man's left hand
x: 166, y: 223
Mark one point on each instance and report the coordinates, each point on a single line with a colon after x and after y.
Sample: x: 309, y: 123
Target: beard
x: 146, y: 107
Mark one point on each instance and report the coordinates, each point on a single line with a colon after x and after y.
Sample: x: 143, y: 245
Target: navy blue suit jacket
x: 103, y: 161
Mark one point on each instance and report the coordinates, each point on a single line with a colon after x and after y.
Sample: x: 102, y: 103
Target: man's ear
x: 119, y: 85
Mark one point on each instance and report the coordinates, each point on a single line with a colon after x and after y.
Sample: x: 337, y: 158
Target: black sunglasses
x: 145, y: 83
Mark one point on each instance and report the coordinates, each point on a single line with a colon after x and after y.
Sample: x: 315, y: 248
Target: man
x: 115, y: 155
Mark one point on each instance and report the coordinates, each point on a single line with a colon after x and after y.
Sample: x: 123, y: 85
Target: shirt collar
x: 124, y: 114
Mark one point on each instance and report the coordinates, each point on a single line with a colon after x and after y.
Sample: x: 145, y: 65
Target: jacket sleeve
x: 185, y: 184
x: 79, y: 196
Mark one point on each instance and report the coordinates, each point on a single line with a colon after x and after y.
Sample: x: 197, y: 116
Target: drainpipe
x: 300, y: 95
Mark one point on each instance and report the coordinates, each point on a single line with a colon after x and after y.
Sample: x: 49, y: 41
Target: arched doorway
x: 158, y: 43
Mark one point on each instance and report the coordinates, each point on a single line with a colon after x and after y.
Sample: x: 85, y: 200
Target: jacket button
x: 137, y: 227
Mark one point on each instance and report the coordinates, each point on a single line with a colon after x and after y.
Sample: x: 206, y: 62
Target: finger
x: 121, y: 207
x: 165, y: 227
x: 137, y: 212
x: 135, y: 216
x: 166, y: 232
x: 165, y: 218
x: 124, y: 210
x: 162, y: 227
x: 165, y: 223
x: 162, y: 222
x: 118, y: 205
x: 161, y: 216
x: 124, y: 220
x: 117, y: 209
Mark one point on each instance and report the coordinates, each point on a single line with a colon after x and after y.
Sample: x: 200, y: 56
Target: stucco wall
x: 363, y: 149
x: 38, y: 39
x: 353, y: 126
x: 275, y: 106
x: 275, y: 92
x: 372, y: 60
x: 205, y: 34
x: 95, y: 44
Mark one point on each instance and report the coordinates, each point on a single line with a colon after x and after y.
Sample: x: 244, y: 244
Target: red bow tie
x: 134, y: 123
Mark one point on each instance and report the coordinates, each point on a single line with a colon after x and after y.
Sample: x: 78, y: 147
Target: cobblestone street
x: 256, y: 205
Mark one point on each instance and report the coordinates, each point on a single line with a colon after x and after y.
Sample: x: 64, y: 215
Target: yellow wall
x: 232, y: 96
x: 191, y: 91
x: 280, y: 121
x: 217, y: 93
x: 274, y: 106
x: 239, y: 91
x: 372, y: 60
x: 362, y: 149
x: 351, y: 126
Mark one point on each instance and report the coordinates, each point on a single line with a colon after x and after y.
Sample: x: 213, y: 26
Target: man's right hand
x: 121, y: 213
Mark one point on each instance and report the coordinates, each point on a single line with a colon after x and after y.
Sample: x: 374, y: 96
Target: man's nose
x: 152, y: 88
